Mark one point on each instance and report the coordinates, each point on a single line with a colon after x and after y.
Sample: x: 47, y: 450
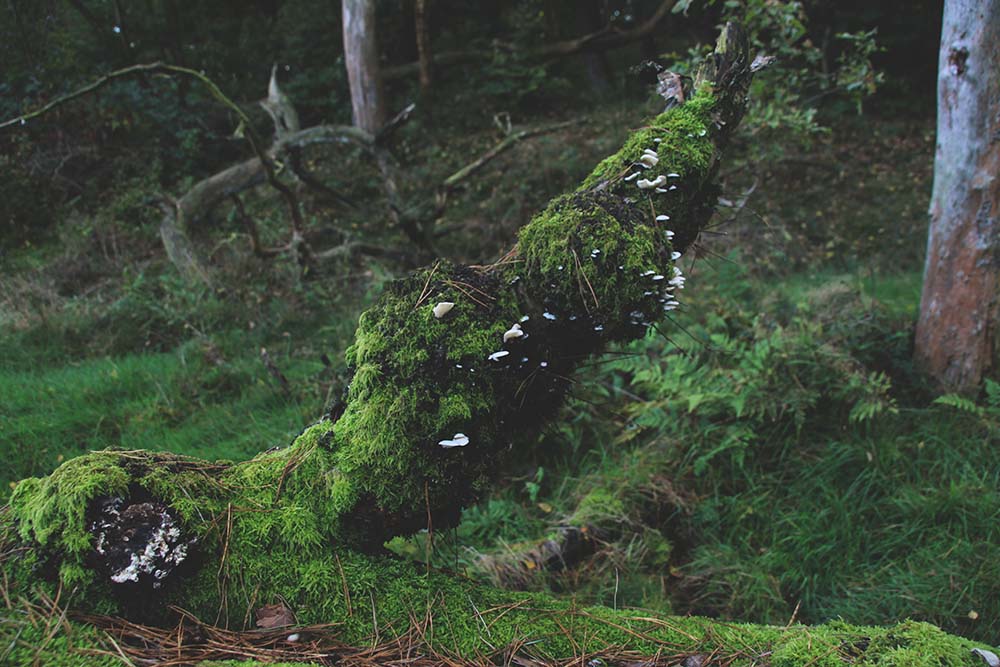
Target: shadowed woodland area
x: 611, y: 332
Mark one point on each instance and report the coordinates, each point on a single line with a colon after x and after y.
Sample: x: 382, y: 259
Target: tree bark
x: 361, y: 59
x: 956, y: 339
x: 424, y: 55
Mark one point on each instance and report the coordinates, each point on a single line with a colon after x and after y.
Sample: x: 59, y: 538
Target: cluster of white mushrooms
x: 647, y: 160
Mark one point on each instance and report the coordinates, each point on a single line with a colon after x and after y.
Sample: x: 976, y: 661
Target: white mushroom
x: 632, y: 177
x: 442, y: 309
x: 513, y: 332
x: 649, y: 159
x: 457, y: 440
x: 675, y: 256
x: 646, y: 184
x: 497, y: 356
x: 662, y: 218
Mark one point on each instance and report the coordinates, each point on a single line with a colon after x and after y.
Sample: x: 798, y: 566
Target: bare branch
x: 508, y: 142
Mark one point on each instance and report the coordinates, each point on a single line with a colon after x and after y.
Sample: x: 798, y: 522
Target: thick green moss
x: 682, y: 137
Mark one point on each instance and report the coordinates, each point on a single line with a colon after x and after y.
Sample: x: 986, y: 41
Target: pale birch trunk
x: 956, y: 334
x: 361, y: 60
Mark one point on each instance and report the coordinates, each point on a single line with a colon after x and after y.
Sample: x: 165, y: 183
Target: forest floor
x: 769, y: 455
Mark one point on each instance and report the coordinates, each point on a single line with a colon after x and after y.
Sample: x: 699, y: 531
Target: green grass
x: 172, y: 401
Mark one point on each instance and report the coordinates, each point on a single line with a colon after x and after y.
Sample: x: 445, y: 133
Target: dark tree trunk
x: 956, y: 332
x: 423, y: 44
x: 361, y: 59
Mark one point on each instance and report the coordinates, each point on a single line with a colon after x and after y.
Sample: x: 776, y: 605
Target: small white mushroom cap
x: 645, y: 184
x: 497, y: 356
x: 443, y: 308
x: 989, y: 657
x: 662, y: 218
x: 513, y: 332
x: 675, y: 255
x: 649, y: 160
x: 457, y: 440
x: 294, y: 637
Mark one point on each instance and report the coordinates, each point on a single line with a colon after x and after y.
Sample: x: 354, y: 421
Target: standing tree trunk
x: 423, y: 44
x: 956, y: 333
x: 361, y: 59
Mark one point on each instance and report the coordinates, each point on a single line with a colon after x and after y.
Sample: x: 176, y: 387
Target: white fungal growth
x: 632, y: 177
x: 675, y: 256
x: 656, y: 141
x: 457, y: 440
x: 513, y: 332
x: 549, y: 316
x: 160, y: 547
x: 661, y: 190
x: 662, y: 218
x: 658, y: 277
x: 497, y: 356
x: 292, y: 638
x: 524, y: 318
x: 673, y: 174
x: 646, y: 184
x: 649, y: 160
x: 647, y: 273
x: 669, y: 234
x: 443, y: 308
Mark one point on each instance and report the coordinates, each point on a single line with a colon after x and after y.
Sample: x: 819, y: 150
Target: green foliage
x: 987, y: 409
x: 785, y: 96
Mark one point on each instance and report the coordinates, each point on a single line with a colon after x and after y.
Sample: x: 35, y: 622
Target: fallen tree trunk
x: 452, y: 367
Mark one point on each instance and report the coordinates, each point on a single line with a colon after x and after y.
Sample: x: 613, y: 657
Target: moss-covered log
x: 452, y: 367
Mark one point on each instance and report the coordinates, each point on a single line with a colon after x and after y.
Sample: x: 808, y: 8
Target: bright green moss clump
x: 682, y: 137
